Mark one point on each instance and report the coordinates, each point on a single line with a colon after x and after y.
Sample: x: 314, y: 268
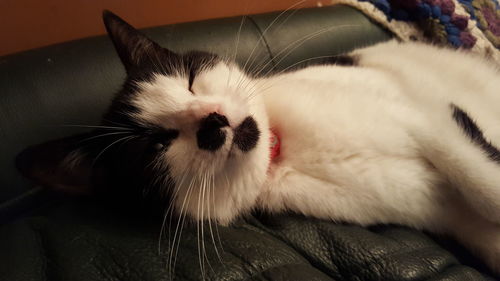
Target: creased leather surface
x: 84, y: 241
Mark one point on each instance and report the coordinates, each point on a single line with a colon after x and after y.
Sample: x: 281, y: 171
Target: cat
x: 401, y: 133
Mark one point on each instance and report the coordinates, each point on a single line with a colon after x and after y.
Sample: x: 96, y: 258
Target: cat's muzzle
x: 210, y: 135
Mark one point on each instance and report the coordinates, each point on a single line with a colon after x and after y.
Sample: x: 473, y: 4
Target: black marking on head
x: 196, y: 62
x: 210, y: 136
x: 192, y: 74
x: 116, y: 165
x: 247, y: 134
x: 471, y: 129
x: 127, y: 167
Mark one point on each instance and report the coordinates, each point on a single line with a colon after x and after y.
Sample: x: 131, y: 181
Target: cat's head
x: 184, y: 127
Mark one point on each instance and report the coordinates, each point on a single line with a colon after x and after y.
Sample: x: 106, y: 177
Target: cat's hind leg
x: 454, y: 144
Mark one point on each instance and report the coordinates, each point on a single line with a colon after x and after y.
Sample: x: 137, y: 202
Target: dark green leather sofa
x: 49, y: 236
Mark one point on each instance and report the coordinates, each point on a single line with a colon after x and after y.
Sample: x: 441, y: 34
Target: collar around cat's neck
x: 275, y: 144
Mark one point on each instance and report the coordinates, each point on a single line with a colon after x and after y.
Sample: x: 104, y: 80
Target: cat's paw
x: 493, y: 258
x: 489, y: 249
x: 480, y: 236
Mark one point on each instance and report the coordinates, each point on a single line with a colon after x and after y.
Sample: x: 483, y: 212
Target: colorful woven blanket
x: 466, y: 24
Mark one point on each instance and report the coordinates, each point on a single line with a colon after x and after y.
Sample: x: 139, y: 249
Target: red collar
x: 275, y: 144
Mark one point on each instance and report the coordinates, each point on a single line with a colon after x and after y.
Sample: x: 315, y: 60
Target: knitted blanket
x: 466, y: 24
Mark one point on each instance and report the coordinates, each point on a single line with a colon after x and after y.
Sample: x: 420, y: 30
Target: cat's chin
x: 231, y: 191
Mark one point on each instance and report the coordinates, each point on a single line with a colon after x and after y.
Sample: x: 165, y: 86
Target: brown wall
x: 27, y: 24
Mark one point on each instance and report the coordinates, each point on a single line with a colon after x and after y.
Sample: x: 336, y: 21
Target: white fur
x: 375, y: 143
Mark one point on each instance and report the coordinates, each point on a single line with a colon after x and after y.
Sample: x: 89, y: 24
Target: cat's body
x: 365, y: 130
x: 378, y: 143
x: 407, y: 134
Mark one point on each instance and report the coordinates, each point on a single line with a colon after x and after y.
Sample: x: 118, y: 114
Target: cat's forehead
x: 172, y: 64
x: 162, y: 96
x: 197, y: 61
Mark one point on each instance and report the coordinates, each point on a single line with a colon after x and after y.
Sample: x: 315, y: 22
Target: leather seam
x: 263, y: 38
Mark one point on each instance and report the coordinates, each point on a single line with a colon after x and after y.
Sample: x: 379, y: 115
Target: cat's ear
x: 57, y: 164
x: 133, y: 47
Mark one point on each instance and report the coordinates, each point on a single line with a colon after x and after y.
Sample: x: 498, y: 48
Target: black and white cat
x: 396, y: 133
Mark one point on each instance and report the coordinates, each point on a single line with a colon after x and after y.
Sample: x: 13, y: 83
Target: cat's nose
x: 209, y: 135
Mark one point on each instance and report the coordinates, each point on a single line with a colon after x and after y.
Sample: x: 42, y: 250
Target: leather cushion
x: 88, y: 241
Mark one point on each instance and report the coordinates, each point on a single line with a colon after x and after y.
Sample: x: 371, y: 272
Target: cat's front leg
x: 475, y: 232
x: 356, y: 202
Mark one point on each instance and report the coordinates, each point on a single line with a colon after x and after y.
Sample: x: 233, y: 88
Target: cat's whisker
x: 198, y: 223
x: 180, y: 223
x: 97, y: 127
x: 263, y: 87
x: 172, y: 243
x: 238, y: 34
x: 162, y: 230
x: 211, y: 188
x: 216, y: 225
x: 267, y: 29
x: 296, y: 44
x: 262, y: 36
x: 204, y: 189
x: 117, y: 124
x: 279, y: 26
x: 113, y: 143
x: 170, y: 209
x: 176, y: 193
x: 103, y: 135
x: 184, y: 218
x: 201, y: 248
x: 170, y: 213
x: 154, y: 162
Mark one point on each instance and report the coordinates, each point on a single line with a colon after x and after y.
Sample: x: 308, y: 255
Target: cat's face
x: 209, y: 136
x: 189, y: 124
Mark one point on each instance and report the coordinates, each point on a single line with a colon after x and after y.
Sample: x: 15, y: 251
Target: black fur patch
x: 471, y: 129
x: 210, y: 136
x: 247, y: 134
x: 196, y: 62
x: 126, y: 167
